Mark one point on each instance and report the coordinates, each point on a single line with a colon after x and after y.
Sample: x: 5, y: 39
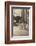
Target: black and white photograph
x: 20, y: 21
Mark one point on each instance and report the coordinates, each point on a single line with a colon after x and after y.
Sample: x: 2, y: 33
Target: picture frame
x: 15, y: 14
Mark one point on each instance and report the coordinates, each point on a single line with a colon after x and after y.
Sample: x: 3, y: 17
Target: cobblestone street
x: 19, y: 31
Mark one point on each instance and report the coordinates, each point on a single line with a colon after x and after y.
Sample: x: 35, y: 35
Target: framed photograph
x: 19, y: 22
